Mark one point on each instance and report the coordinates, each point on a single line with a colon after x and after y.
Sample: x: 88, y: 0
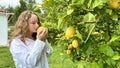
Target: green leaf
x: 48, y: 3
x: 100, y: 63
x: 37, y: 8
x: 118, y: 64
x: 89, y: 28
x: 93, y: 65
x: 97, y: 3
x: 85, y: 64
x: 116, y: 57
x: 70, y: 11
x: 79, y: 35
x: 109, y: 11
x: 77, y: 3
x: 114, y: 17
x: 110, y: 62
x: 62, y: 15
x: 80, y: 2
x: 89, y: 17
x: 106, y: 36
x: 80, y: 65
x: 74, y: 1
x: 61, y: 21
x: 106, y: 49
x: 114, y: 38
x: 89, y: 3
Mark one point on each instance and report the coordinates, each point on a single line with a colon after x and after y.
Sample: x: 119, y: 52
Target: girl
x: 29, y: 48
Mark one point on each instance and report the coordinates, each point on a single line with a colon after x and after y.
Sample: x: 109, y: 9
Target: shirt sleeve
x: 24, y: 57
x: 49, y: 49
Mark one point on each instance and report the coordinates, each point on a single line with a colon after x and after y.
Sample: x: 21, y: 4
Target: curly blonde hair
x: 21, y: 26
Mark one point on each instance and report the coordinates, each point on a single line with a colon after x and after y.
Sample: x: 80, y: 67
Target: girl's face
x: 33, y: 23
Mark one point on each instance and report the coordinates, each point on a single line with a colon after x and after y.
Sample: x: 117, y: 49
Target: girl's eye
x: 33, y: 22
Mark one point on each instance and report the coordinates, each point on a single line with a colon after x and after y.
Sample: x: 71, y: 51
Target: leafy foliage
x: 52, y: 31
x: 97, y: 30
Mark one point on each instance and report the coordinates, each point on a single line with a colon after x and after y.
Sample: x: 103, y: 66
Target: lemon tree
x: 90, y: 30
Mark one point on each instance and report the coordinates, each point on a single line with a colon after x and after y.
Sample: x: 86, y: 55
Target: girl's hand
x: 42, y: 34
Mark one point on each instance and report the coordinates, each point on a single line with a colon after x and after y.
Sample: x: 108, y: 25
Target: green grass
x: 56, y: 60
x: 5, y: 58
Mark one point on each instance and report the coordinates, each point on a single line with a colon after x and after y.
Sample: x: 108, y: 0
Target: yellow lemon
x: 70, y: 32
x: 70, y: 46
x: 69, y: 52
x: 115, y: 4
x: 40, y: 28
x: 75, y: 43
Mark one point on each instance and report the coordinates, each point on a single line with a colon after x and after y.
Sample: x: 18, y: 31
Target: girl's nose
x: 37, y: 25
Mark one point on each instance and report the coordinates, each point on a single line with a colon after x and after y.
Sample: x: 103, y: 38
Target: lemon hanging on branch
x: 70, y: 46
x: 115, y: 4
x: 70, y: 32
x: 68, y: 52
x: 75, y: 44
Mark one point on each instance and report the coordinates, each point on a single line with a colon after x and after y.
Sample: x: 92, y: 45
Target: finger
x: 43, y: 32
x: 39, y: 32
x: 47, y: 31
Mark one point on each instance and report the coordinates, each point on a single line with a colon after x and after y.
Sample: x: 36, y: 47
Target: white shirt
x: 32, y: 55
